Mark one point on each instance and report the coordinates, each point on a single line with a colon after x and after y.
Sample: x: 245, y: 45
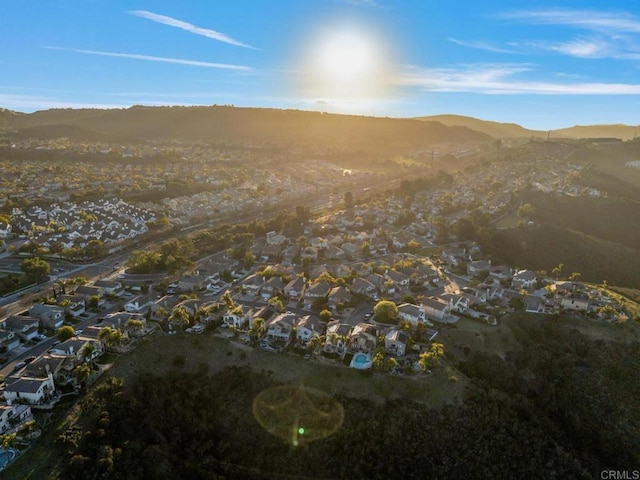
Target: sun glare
x: 345, y: 64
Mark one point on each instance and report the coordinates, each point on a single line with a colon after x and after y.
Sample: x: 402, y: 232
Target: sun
x: 345, y: 64
x: 346, y: 57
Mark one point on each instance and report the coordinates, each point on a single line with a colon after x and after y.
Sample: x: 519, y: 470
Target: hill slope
x: 494, y: 129
x: 258, y: 126
x: 512, y: 130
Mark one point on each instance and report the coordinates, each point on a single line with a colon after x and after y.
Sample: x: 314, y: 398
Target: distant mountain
x: 512, y: 130
x: 625, y: 132
x: 7, y: 117
x: 231, y: 125
x: 493, y: 129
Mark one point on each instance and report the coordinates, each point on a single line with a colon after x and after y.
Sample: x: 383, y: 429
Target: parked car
x: 29, y: 359
x: 19, y: 365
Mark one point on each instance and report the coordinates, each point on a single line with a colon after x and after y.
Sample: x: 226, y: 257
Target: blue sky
x: 541, y: 65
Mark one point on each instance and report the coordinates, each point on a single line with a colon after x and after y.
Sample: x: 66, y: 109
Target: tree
x: 94, y: 301
x: 385, y: 311
x: 86, y: 351
x: 384, y: 363
x: 348, y: 199
x: 409, y: 299
x: 325, y: 315
x: 82, y: 372
x: 180, y: 316
x: 257, y: 328
x: 65, y: 332
x: 526, y: 211
x: 432, y: 358
x: 35, y: 268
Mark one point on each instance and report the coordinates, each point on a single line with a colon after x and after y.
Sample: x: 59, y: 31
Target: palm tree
x: 135, y: 325
x: 82, y: 372
x: 180, y: 316
x: 104, y: 334
x: 87, y: 351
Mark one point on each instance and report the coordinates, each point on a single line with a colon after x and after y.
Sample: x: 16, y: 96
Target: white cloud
x: 585, y: 19
x: 29, y: 103
x: 173, y: 22
x: 497, y: 79
x: 481, y: 46
x: 136, y: 56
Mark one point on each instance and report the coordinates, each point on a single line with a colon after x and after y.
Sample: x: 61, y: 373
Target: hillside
x: 512, y: 130
x: 493, y: 129
x: 266, y: 127
x: 624, y: 132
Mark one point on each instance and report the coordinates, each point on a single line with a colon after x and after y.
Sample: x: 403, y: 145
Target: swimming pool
x: 361, y: 361
x: 5, y: 457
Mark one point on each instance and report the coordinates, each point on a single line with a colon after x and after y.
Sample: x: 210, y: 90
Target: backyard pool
x: 5, y: 457
x: 361, y: 361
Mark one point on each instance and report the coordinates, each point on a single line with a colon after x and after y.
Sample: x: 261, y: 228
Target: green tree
x: 35, y: 268
x: 432, y: 358
x: 86, y: 351
x: 82, y: 372
x: 383, y: 363
x: 65, y: 333
x: 385, y: 311
x: 325, y: 315
x: 180, y: 316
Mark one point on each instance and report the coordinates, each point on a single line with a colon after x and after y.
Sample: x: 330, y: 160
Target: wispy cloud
x: 480, y: 45
x: 29, y: 103
x: 498, y: 79
x: 173, y: 22
x: 585, y: 19
x: 136, y: 56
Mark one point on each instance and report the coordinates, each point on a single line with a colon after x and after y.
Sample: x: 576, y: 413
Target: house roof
x: 19, y: 322
x: 25, y: 384
x: 434, y: 303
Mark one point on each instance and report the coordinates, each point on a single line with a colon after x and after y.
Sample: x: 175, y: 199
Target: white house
x: 12, y: 416
x: 281, y: 327
x: 238, y: 317
x: 23, y: 326
x: 411, y: 313
x: 396, y: 342
x: 435, y: 308
x: 308, y: 327
x: 33, y: 391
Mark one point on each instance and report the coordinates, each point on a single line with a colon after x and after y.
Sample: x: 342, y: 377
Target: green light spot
x: 301, y: 431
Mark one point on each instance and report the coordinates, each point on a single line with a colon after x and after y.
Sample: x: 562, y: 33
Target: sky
x: 542, y: 65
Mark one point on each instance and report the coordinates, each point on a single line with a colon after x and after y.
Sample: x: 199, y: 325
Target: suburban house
x: 436, y: 309
x: 12, y: 416
x: 274, y: 238
x: 361, y: 286
x: 252, y: 284
x: 163, y: 306
x: 364, y: 338
x: 140, y: 303
x: 457, y: 302
x: 73, y: 348
x: 533, y: 304
x: 51, y: 316
x: 9, y: 340
x: 271, y: 287
x: 337, y: 337
x: 238, y: 317
x: 577, y: 302
x: 109, y: 287
x: 309, y: 253
x: 397, y: 277
x: 477, y: 267
x: 33, y: 391
x: 334, y: 253
x: 25, y: 327
x: 74, y: 305
x: 89, y: 291
x: 339, y: 296
x: 281, y: 327
x: 524, y: 279
x: 120, y: 319
x: 308, y: 327
x: 294, y: 290
x: 61, y: 367
x: 317, y: 290
x: 411, y: 313
x: 192, y: 282
x: 396, y: 342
